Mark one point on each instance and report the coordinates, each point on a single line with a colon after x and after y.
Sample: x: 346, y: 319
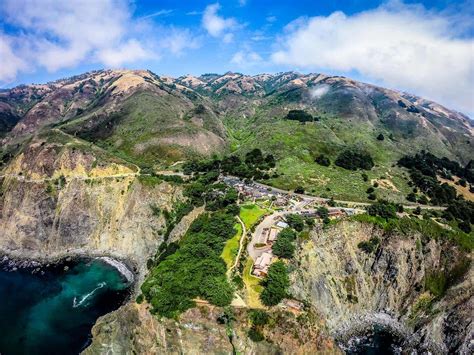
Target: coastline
x: 127, y: 268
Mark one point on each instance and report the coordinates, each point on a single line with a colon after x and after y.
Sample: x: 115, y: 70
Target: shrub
x: 372, y: 197
x: 322, y: 160
x: 370, y: 190
x: 255, y: 335
x: 411, y: 197
x: 369, y: 246
x: 380, y: 137
x: 365, y: 177
x: 299, y: 190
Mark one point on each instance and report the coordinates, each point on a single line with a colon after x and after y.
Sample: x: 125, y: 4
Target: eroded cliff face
x: 397, y: 285
x: 133, y: 330
x: 60, y: 199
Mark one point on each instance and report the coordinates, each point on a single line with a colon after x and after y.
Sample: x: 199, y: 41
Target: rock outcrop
x: 423, y: 286
x: 61, y: 199
x: 132, y: 329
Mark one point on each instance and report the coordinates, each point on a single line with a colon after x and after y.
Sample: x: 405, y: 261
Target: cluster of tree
x: 301, y: 116
x: 215, y: 196
x: 323, y: 160
x: 194, y: 269
x: 275, y: 284
x: 284, y: 246
x: 463, y: 212
x: 254, y: 166
x: 430, y: 165
x: 295, y: 221
x: 424, y: 167
x: 385, y: 209
x: 353, y: 160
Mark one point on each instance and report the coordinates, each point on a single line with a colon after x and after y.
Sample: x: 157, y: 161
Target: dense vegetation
x: 276, y: 284
x: 254, y: 166
x: 284, y: 246
x: 424, y: 168
x: 301, y: 116
x: 323, y: 160
x: 194, y: 270
x: 430, y: 165
x: 354, y: 160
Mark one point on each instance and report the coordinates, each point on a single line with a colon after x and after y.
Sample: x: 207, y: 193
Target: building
x: 262, y: 263
x: 282, y: 224
x: 272, y: 235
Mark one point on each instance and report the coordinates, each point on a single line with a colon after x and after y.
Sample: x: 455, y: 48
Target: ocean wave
x: 121, y: 267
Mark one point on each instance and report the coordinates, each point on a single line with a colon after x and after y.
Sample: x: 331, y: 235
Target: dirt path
x: 241, y: 244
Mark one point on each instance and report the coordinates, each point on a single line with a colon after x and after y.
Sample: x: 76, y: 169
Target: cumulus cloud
x: 246, y: 58
x: 62, y: 34
x: 11, y: 63
x: 399, y: 45
x: 215, y: 25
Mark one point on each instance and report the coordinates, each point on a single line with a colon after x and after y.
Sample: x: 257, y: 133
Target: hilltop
x: 154, y: 121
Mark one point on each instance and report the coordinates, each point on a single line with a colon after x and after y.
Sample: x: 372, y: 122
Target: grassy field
x: 297, y: 145
x: 231, y: 247
x: 250, y: 214
x: 252, y: 286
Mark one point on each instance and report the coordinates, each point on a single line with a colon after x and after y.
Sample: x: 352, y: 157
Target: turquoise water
x: 52, y: 311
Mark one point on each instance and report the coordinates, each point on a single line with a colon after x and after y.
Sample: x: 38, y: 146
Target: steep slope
x: 154, y: 121
x: 61, y: 196
x: 421, y: 288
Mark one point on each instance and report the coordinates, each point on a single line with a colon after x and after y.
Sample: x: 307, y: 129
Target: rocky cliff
x: 64, y: 198
x: 133, y: 330
x: 419, y: 287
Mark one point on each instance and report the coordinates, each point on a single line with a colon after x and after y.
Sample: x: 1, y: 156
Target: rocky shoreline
x: 13, y: 261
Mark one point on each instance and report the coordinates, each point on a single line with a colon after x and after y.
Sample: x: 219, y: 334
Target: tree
x: 323, y: 212
x: 284, y: 247
x: 411, y: 197
x: 370, y: 190
x: 299, y: 190
x: 322, y: 160
x: 275, y: 284
x: 365, y: 177
x: 295, y: 221
x: 380, y: 137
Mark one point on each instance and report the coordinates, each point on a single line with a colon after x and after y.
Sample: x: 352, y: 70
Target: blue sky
x: 423, y: 47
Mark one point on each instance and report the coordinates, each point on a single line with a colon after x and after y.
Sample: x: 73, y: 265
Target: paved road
x: 349, y: 203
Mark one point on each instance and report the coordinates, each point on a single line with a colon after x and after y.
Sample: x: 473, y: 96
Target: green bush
x: 322, y: 160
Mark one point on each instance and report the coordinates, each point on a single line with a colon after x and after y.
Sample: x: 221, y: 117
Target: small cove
x: 51, y: 309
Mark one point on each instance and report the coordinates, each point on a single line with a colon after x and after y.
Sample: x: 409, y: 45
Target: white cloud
x: 216, y: 25
x: 11, y: 64
x: 246, y: 58
x: 128, y: 52
x: 63, y: 34
x: 179, y: 40
x: 319, y: 91
x: 398, y: 45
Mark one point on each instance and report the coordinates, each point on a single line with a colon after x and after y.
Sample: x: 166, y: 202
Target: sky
x: 425, y: 48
